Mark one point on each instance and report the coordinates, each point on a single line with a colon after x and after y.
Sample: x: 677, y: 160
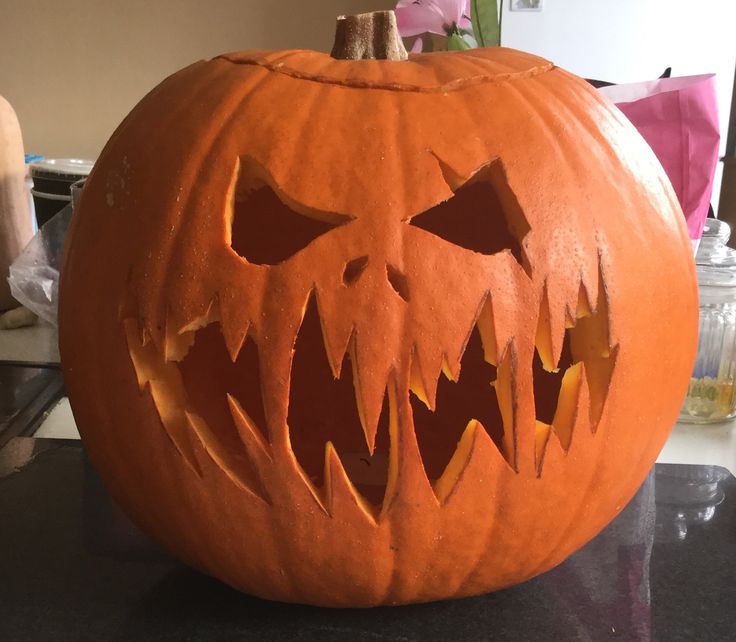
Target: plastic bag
x: 34, y: 275
x: 678, y: 117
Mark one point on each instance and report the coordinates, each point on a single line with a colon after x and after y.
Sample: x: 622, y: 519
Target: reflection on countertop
x: 687, y: 496
x: 80, y: 570
x: 26, y: 392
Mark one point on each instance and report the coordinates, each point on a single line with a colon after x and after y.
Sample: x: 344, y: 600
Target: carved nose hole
x: 353, y: 270
x: 398, y: 281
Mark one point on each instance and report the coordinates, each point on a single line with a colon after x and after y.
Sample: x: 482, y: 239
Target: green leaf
x: 455, y: 42
x: 486, y: 28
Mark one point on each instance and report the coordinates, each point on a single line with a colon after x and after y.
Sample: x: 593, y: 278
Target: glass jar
x: 711, y: 396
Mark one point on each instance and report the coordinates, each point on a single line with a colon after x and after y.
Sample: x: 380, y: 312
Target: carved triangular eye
x: 483, y: 216
x: 266, y: 231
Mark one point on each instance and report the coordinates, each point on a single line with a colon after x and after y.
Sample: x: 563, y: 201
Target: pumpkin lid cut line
x: 318, y: 67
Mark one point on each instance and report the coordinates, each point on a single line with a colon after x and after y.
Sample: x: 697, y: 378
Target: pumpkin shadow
x: 185, y: 604
x: 188, y: 604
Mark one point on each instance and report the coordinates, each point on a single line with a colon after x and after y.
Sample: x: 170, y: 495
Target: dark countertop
x: 26, y: 392
x: 73, y: 568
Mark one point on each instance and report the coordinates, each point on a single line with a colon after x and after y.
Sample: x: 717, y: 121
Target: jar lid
x: 715, y: 261
x: 61, y: 168
x: 716, y: 276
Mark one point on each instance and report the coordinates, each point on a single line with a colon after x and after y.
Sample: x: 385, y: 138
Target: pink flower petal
x: 417, y: 46
x: 419, y: 16
x: 464, y: 22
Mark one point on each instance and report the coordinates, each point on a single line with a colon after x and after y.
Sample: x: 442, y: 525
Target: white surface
x: 59, y: 424
x: 713, y: 444
x: 633, y: 40
x: 38, y: 343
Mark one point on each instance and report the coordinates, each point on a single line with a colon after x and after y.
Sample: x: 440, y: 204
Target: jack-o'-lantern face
x: 404, y: 301
x: 362, y: 363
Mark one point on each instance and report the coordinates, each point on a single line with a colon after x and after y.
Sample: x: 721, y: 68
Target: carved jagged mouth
x: 200, y: 389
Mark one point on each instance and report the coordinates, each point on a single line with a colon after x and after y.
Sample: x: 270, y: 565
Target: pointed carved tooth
x: 550, y: 333
x: 396, y: 453
x: 173, y: 421
x: 417, y: 384
x: 474, y: 457
x: 229, y: 463
x: 455, y: 347
x: 590, y: 342
x: 234, y: 326
x: 451, y: 370
x: 370, y: 392
x: 211, y: 314
x: 571, y: 425
x: 583, y: 307
x: 459, y: 460
x: 599, y: 373
x: 424, y: 373
x: 175, y: 427
x: 584, y: 429
x: 554, y: 455
x: 338, y: 335
x: 161, y: 382
x: 504, y: 386
x: 543, y: 339
x: 176, y: 346
x: 567, y: 404
x: 487, y: 330
x: 431, y: 366
x: 597, y: 303
x: 256, y: 446
x: 234, y: 340
x: 407, y: 484
x: 542, y: 433
x: 584, y: 432
x: 592, y: 284
x: 341, y: 497
x: 337, y: 346
x: 294, y: 467
x: 591, y: 336
x: 178, y: 341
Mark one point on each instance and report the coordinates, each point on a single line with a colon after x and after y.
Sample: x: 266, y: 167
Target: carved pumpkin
x: 359, y: 332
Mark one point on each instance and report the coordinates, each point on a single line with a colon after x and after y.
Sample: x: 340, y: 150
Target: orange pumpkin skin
x: 369, y: 146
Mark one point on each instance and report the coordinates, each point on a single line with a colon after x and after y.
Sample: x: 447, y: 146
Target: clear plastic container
x: 711, y: 396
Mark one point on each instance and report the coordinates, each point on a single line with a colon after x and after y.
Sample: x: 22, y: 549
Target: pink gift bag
x: 678, y: 117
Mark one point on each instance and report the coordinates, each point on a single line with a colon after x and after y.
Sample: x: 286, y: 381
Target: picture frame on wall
x: 525, y: 5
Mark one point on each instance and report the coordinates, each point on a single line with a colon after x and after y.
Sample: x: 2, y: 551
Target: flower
x: 443, y: 17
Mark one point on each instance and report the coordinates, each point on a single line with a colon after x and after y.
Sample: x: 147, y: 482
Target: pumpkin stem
x: 368, y: 36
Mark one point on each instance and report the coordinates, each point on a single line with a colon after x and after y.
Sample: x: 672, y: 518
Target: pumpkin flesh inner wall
x: 324, y: 411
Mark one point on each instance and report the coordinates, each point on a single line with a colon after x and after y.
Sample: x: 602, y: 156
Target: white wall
x: 632, y: 40
x: 72, y: 69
